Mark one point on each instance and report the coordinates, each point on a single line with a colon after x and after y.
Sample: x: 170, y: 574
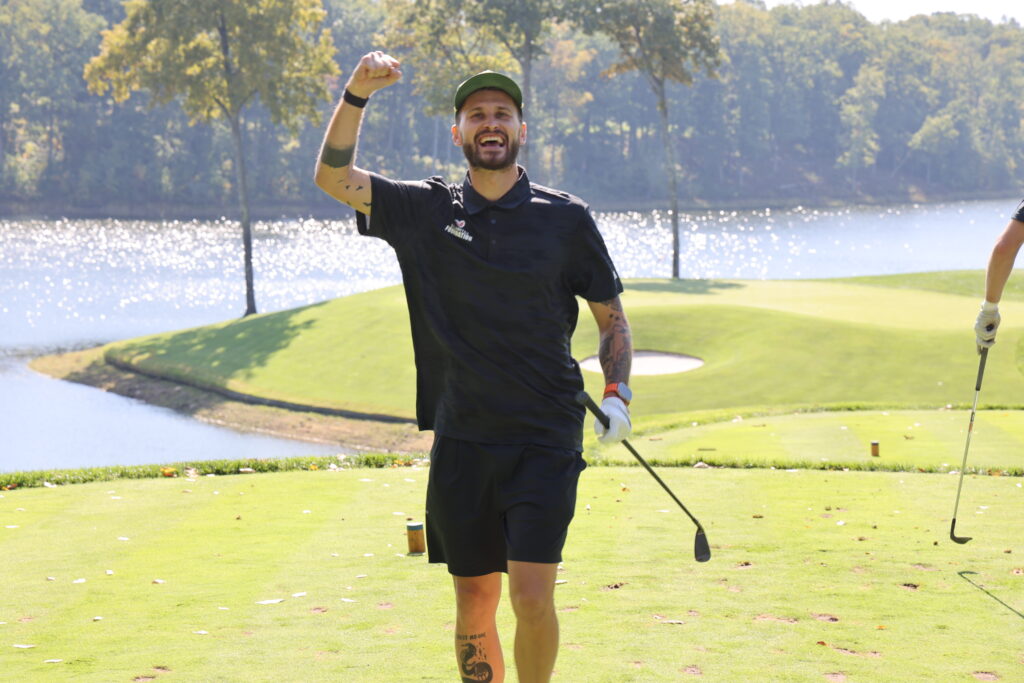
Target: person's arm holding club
x: 336, y: 172
x: 615, y: 352
x: 1000, y: 265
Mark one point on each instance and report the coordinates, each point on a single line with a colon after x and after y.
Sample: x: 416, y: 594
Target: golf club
x: 701, y: 550
x: 970, y: 428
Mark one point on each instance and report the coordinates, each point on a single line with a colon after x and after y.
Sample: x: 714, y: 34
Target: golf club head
x: 953, y: 537
x: 701, y: 550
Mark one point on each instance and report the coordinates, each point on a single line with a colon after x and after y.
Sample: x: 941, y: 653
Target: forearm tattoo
x: 473, y: 660
x: 616, y: 350
x: 336, y: 158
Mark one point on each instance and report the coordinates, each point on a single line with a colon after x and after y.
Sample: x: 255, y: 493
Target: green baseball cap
x: 488, y: 79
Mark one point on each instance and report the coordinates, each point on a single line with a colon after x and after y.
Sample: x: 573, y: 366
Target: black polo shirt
x: 491, y: 289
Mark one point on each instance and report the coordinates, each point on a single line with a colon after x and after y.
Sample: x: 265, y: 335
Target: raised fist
x: 375, y: 70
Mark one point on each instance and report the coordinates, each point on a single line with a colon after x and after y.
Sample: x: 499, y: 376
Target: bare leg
x: 531, y: 587
x: 477, y: 647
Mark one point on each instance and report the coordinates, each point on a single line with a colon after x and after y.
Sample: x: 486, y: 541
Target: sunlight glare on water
x: 71, y: 281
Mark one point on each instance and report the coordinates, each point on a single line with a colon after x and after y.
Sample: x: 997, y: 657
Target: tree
x: 521, y: 26
x: 665, y: 40
x: 221, y: 56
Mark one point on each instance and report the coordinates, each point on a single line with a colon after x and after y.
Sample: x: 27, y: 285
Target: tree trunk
x: 673, y: 183
x: 243, y: 202
x: 234, y: 115
x: 527, y: 67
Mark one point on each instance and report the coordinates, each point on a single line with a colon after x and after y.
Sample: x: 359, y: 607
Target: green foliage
x: 49, y: 478
x: 219, y: 57
x: 807, y: 99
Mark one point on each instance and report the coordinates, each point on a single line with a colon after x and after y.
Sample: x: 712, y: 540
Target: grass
x: 808, y: 344
x: 814, y: 576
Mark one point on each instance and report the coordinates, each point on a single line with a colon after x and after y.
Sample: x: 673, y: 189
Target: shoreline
x: 14, y: 209
x: 88, y: 367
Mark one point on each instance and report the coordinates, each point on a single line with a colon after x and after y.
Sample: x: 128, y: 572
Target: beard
x: 491, y: 163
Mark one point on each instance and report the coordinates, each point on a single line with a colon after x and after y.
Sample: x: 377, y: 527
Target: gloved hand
x: 987, y: 324
x: 618, y: 421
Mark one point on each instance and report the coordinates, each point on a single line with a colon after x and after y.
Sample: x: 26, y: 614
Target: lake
x: 67, y: 284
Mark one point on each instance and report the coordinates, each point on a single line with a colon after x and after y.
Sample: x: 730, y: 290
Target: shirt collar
x: 475, y: 202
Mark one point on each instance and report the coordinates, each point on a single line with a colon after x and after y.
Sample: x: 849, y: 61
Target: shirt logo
x: 458, y: 228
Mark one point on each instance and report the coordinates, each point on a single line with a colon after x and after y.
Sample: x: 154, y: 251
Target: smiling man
x: 492, y: 267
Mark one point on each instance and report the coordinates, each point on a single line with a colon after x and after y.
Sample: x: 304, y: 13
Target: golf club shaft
x: 599, y: 414
x: 970, y: 429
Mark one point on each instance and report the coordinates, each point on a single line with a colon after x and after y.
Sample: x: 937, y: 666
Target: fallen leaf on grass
x: 911, y: 586
x: 158, y: 581
x: 745, y: 563
x: 614, y: 586
x: 835, y: 677
x: 825, y: 617
x: 758, y: 516
x: 1018, y: 571
x: 384, y: 605
x: 985, y: 676
x: 318, y: 610
x: 693, y: 670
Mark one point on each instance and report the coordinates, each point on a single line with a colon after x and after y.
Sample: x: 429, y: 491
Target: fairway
x: 798, y: 357
x: 931, y: 440
x: 764, y: 343
x: 813, y: 574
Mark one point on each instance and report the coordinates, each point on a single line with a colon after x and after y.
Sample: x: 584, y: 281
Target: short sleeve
x: 399, y: 206
x: 1018, y: 215
x: 591, y: 272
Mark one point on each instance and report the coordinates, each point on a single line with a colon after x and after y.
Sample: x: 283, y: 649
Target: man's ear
x: 456, y: 135
x: 522, y: 133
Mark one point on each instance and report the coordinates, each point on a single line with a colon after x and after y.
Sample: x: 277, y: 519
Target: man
x: 1000, y: 265
x: 492, y: 267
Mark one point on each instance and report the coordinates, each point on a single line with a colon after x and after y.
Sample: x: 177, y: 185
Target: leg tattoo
x: 472, y: 660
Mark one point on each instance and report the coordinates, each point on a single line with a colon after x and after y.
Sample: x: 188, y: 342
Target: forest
x: 798, y: 104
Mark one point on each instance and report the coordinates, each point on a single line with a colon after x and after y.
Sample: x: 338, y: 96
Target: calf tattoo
x: 472, y: 660
x: 336, y: 158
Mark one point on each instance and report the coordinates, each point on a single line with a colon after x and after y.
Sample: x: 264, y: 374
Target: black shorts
x: 491, y: 503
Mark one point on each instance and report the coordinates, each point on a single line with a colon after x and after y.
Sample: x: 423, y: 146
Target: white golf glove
x: 619, y: 425
x: 988, y: 323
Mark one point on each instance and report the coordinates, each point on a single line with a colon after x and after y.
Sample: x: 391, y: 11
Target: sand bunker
x: 651, y: 363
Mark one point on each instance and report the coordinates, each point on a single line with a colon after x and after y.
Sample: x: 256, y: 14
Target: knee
x: 532, y: 605
x: 477, y: 599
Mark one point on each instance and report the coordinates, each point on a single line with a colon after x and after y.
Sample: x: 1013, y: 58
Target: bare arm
x: 1000, y: 264
x: 336, y: 172
x: 615, y: 350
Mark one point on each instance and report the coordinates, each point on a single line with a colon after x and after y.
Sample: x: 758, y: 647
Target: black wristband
x: 355, y: 100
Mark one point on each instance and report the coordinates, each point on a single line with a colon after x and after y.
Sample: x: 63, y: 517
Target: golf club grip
x: 583, y: 398
x: 981, y: 368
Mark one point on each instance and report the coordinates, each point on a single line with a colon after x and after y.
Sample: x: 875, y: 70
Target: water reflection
x: 77, y: 283
x: 51, y: 424
x: 65, y: 281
